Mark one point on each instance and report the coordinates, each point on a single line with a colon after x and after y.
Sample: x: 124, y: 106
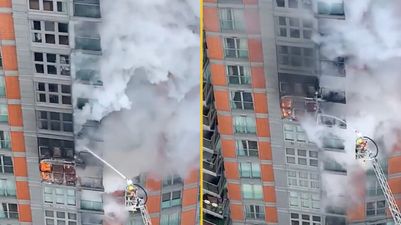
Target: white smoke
x: 149, y: 102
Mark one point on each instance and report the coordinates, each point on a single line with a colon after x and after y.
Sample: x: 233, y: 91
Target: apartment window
x: 172, y: 180
x: 55, y: 148
x: 301, y: 157
x: 333, y: 143
x: 55, y: 121
x: 51, y: 64
x: 241, y: 100
x: 295, y: 56
x: 235, y: 48
x: 171, y: 199
x: 249, y: 170
x: 334, y: 68
x: 304, y: 200
x: 53, y: 93
x: 332, y: 165
x: 59, y: 196
x: 7, y: 187
x: 244, y: 124
x: 85, y: 8
x: 170, y: 219
x: 305, y: 219
x: 333, y: 8
x: 252, y: 191
x: 305, y: 4
x: 48, y: 5
x: 293, y: 132
x: 2, y: 85
x: 335, y: 220
x: 247, y: 148
x: 255, y: 212
x: 303, y: 179
x: 49, y: 32
x: 232, y: 19
x: 3, y: 113
x: 376, y: 208
x: 292, y: 27
x: 87, y: 36
x: 238, y: 74
x: 373, y: 187
x: 6, y: 164
x: 9, y: 211
x: 60, y: 218
x: 5, y: 140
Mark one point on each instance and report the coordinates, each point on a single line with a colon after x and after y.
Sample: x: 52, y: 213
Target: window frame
x: 240, y: 72
x: 39, y: 36
x: 237, y: 49
x: 55, y: 218
x: 233, y: 19
x: 172, y: 201
x: 254, y: 170
x: 246, y: 150
x: 242, y: 103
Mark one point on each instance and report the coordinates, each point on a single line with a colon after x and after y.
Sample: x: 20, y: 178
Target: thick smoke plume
x: 370, y: 40
x: 149, y: 102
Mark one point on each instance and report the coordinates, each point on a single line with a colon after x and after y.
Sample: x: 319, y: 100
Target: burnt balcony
x: 214, y: 184
x: 212, y: 163
x: 209, y: 117
x: 211, y: 220
x: 210, y: 139
x: 58, y: 172
x: 217, y: 207
x: 293, y: 107
x: 207, y: 93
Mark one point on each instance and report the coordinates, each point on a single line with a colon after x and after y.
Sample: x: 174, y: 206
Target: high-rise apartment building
x: 44, y: 180
x: 261, y: 70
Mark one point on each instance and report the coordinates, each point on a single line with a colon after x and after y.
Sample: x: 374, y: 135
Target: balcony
x: 212, y: 163
x: 332, y: 95
x: 91, y: 183
x: 207, y: 93
x: 293, y: 107
x: 58, y: 172
x: 214, y: 185
x: 211, y: 220
x: 217, y: 207
x: 210, y: 139
x: 209, y: 117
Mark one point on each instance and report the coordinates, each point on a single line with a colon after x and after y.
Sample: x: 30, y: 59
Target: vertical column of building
x: 15, y: 197
x: 234, y: 43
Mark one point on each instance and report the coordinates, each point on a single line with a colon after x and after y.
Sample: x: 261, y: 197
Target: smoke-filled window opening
x: 244, y: 124
x: 238, y: 74
x: 298, y: 85
x: 304, y: 200
x: 303, y: 179
x: 171, y: 199
x: 301, y: 157
x: 54, y: 121
x: 172, y: 180
x: 87, y: 36
x: 249, y: 170
x: 241, y: 100
x: 333, y: 143
x: 7, y: 187
x: 9, y: 211
x: 332, y: 95
x: 81, y: 102
x: 60, y: 217
x: 235, y: 47
x: 55, y: 148
x: 255, y: 212
x: 59, y: 6
x: 296, y: 57
x: 305, y: 219
x: 332, y: 8
x: 292, y: 27
x: 53, y: 93
x: 170, y: 218
x: 87, y: 8
x: 232, y: 19
x: 252, y: 191
x: 49, y: 32
x: 59, y: 196
x: 6, y: 164
x: 247, y: 148
x: 334, y: 67
x: 335, y: 220
x: 51, y: 64
x: 333, y: 165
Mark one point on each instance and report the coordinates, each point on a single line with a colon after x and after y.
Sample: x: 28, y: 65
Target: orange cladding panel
x: 258, y: 77
x: 9, y: 55
x: 395, y: 185
x: 225, y: 124
x: 153, y: 184
x: 6, y: 26
x: 228, y: 148
x: 25, y: 214
x: 262, y: 127
x: 218, y: 74
x: 394, y: 165
x: 237, y: 212
x: 192, y: 177
x: 255, y: 50
x: 265, y: 151
x: 190, y: 197
x: 211, y: 19
x: 17, y: 141
x: 234, y: 191
x: 260, y: 102
x: 188, y: 217
x: 12, y: 87
x: 20, y: 169
x: 5, y: 3
x: 15, y: 115
x: 214, y: 47
x: 22, y: 189
x: 269, y: 194
x: 271, y: 214
x: 267, y: 173
x: 154, y: 203
x: 231, y: 170
x: 222, y: 102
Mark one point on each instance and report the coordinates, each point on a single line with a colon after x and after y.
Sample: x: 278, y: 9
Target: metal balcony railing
x: 214, y: 184
x: 216, y: 207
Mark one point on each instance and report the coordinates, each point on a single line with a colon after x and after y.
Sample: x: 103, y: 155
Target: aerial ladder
x: 132, y: 201
x: 367, y: 154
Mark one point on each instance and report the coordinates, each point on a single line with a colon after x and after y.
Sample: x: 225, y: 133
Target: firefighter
x: 361, y: 147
